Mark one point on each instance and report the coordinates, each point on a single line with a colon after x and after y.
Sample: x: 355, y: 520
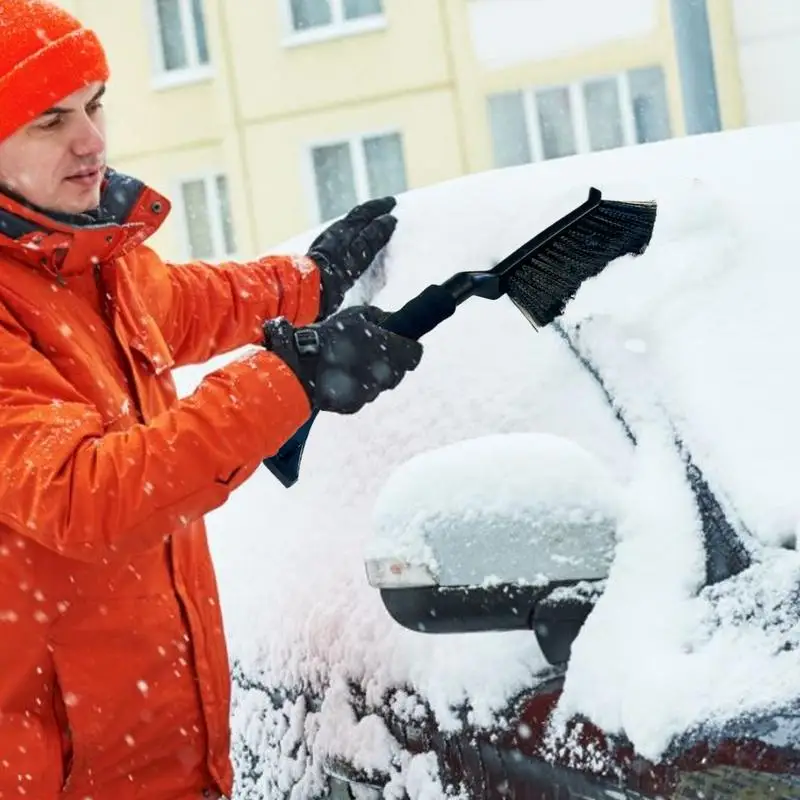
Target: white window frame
x: 578, y: 108
x: 194, y: 72
x: 339, y: 27
x: 359, y: 159
x: 215, y: 211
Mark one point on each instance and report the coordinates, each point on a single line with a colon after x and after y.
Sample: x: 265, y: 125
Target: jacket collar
x: 66, y: 244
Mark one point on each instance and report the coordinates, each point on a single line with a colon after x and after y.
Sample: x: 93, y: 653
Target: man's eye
x: 53, y: 123
x: 94, y: 107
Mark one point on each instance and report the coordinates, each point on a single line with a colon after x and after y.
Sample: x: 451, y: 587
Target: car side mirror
x: 506, y: 532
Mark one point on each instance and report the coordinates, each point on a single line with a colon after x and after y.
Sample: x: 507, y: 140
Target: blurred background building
x: 261, y: 118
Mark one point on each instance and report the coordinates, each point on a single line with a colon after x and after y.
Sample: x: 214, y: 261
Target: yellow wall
x: 475, y: 83
x: 265, y: 101
x: 726, y: 63
x: 141, y: 119
x: 277, y: 152
x: 273, y: 81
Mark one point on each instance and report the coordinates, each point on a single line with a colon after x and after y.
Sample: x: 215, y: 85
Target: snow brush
x: 540, y: 278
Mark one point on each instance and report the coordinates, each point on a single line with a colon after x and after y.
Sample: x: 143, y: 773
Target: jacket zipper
x: 108, y: 319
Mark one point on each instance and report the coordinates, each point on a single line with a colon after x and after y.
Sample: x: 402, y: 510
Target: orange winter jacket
x: 114, y: 678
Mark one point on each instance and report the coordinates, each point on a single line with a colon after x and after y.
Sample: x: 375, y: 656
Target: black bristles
x: 543, y: 284
x: 540, y: 276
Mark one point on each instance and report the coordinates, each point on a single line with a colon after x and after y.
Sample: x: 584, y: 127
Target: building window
x: 308, y: 15
x: 182, y: 38
x: 649, y: 102
x: 208, y: 218
x: 352, y: 171
x: 595, y: 114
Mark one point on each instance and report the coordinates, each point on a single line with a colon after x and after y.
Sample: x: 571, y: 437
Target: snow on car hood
x: 700, y: 331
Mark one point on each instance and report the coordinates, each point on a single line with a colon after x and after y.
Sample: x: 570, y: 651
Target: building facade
x: 261, y: 118
x: 768, y: 37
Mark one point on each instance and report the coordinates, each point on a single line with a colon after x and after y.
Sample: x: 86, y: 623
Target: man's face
x: 57, y: 161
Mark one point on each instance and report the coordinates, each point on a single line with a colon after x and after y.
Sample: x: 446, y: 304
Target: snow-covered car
x: 616, y: 493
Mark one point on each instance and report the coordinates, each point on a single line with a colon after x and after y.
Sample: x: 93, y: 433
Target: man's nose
x: 89, y: 138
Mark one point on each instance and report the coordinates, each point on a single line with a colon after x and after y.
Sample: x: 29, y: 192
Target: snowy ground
x: 704, y: 326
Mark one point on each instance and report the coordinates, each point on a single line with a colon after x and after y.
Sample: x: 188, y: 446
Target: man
x: 113, y: 669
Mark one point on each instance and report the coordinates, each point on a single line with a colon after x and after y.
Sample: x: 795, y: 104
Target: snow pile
x: 698, y: 335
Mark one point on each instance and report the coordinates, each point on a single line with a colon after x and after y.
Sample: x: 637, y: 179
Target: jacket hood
x: 65, y: 244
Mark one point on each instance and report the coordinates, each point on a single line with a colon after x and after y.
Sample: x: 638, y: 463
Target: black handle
x: 285, y: 464
x: 418, y: 316
x: 422, y: 313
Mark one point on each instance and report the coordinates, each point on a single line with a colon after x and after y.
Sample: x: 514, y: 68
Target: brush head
x: 543, y: 283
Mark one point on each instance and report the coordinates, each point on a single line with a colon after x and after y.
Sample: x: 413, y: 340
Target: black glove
x: 344, y: 251
x: 346, y: 361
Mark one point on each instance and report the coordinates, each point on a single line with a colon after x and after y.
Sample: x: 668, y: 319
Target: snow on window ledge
x: 175, y: 78
x: 337, y: 30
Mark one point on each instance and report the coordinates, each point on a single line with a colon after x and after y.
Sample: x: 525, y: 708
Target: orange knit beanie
x: 45, y: 56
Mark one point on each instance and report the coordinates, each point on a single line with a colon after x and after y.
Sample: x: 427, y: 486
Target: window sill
x: 340, y: 30
x: 176, y: 78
